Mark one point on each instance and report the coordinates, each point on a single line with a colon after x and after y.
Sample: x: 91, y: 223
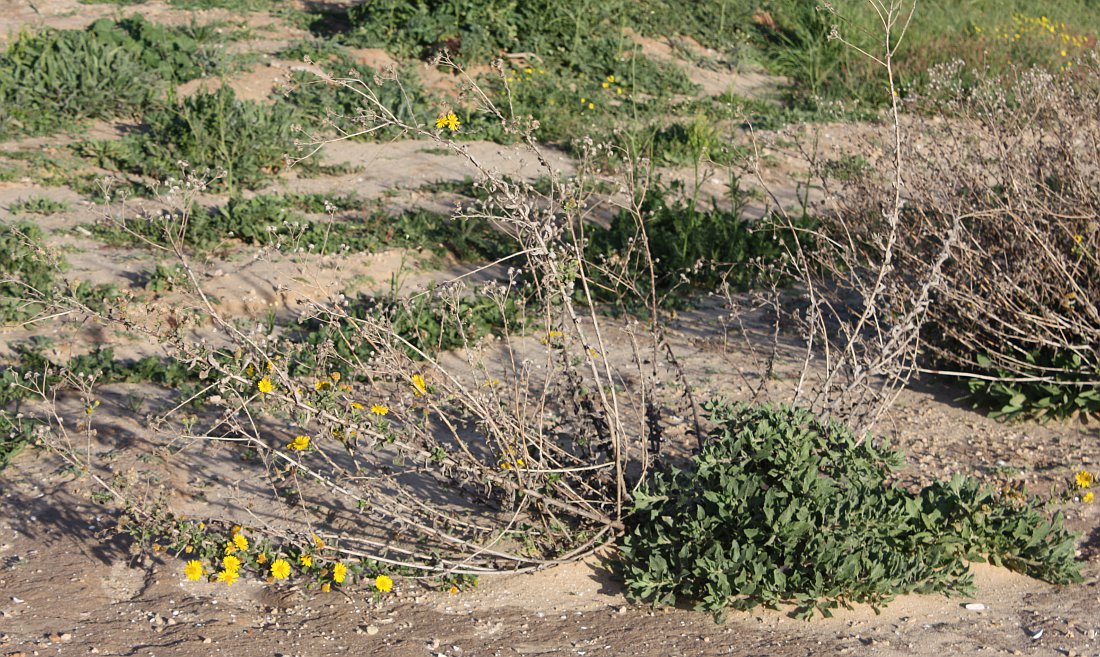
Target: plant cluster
x: 779, y: 507
x: 53, y: 79
x: 241, y: 142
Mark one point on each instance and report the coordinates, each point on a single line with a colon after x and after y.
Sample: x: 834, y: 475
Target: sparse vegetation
x: 487, y: 373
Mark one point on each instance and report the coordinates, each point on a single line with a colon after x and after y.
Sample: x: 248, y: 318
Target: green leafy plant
x: 1073, y: 394
x: 209, y: 132
x: 779, y: 507
x: 691, y: 248
x: 26, y: 276
x: 39, y: 205
x: 428, y: 324
x: 15, y: 434
x: 53, y: 79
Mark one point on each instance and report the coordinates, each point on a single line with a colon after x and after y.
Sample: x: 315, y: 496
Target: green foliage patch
x: 38, y: 205
x: 692, y: 248
x: 275, y: 220
x: 23, y: 269
x: 781, y: 508
x: 211, y: 133
x: 427, y: 323
x: 53, y: 79
x: 1074, y: 393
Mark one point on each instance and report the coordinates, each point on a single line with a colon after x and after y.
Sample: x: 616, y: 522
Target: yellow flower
x: 383, y: 583
x: 188, y: 550
x: 265, y: 386
x: 229, y: 562
x: 357, y: 406
x: 605, y: 85
x: 611, y: 78
x: 335, y: 376
x: 230, y: 547
x: 591, y: 106
x: 1088, y: 497
x: 326, y: 587
x: 1078, y: 238
x: 379, y: 409
x: 236, y: 530
x: 298, y: 444
x: 193, y: 570
x: 280, y: 569
x: 240, y: 541
x: 306, y: 560
x: 261, y: 558
x: 339, y: 572
x: 449, y: 121
x: 320, y: 385
x: 453, y: 590
x: 318, y: 542
x: 1083, y: 479
x: 419, y: 384
x: 228, y: 576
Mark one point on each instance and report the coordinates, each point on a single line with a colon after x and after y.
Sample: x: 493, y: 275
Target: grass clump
x: 214, y: 132
x: 779, y: 507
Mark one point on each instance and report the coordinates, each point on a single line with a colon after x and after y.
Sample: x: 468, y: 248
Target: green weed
x: 53, y: 79
x: 26, y: 275
x: 42, y: 205
x: 210, y: 134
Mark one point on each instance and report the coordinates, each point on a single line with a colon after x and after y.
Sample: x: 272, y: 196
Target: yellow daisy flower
x: 339, y: 572
x: 265, y: 386
x: 383, y: 583
x: 379, y: 409
x: 280, y: 569
x: 240, y: 541
x: 1083, y: 479
x: 228, y: 576
x: 420, y: 385
x: 193, y: 570
x: 449, y: 121
x: 306, y: 560
x: 298, y: 444
x: 230, y: 562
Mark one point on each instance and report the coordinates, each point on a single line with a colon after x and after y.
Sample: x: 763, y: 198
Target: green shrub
x: 15, y: 434
x: 210, y: 132
x: 269, y: 219
x: 318, y: 99
x: 781, y: 508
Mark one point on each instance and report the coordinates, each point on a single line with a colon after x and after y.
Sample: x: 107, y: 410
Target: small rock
x: 372, y: 630
x: 974, y: 606
x: 1038, y: 635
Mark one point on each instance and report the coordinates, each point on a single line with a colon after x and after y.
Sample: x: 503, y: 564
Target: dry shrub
x: 1011, y: 164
